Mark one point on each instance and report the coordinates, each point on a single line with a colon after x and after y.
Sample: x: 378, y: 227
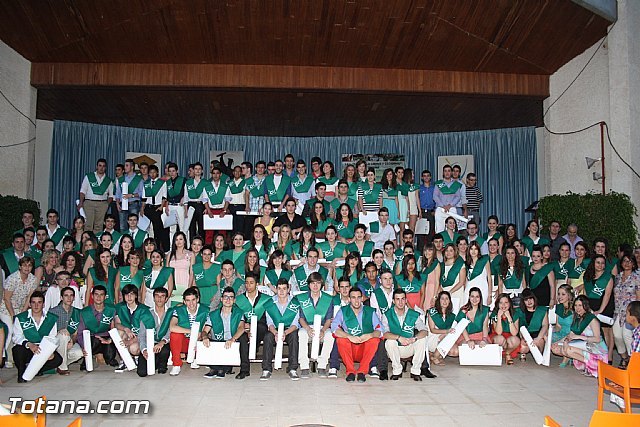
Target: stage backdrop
x: 504, y: 159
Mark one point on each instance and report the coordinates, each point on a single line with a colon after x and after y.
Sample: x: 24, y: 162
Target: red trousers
x: 178, y: 343
x: 208, y: 234
x: 363, y: 353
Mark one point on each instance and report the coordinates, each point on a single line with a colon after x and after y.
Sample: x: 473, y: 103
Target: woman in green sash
x: 441, y: 318
x: 331, y: 249
x: 479, y: 273
x: 584, y: 344
x: 564, y: 313
x: 453, y: 276
x: 563, y: 265
x: 125, y: 248
x: 369, y: 194
x: 319, y: 221
x: 546, y: 254
x: 361, y: 170
x: 541, y: 279
x: 219, y: 246
x: 252, y: 265
x: 284, y: 241
x: 276, y: 270
x: 412, y: 282
x: 492, y: 226
x: 360, y: 244
x: 430, y: 268
x: 197, y: 243
x: 511, y: 235
x: 129, y: 274
x: 505, y: 327
x: 237, y: 254
x: 390, y: 195
x: 494, y: 262
x: 531, y: 237
x: 350, y: 177
x: 88, y: 255
x: 521, y: 251
x: 477, y: 332
x: 148, y: 246
x: 535, y: 319
x: 413, y: 198
x: 580, y: 264
x: 511, y: 279
x: 345, y: 223
x: 71, y: 263
x: 462, y: 245
x: 329, y: 178
x: 204, y: 277
x: 450, y: 233
x: 598, y: 288
x: 77, y: 232
x: 306, y: 240
x: 266, y: 220
x: 352, y: 269
x: 601, y: 247
x: 102, y: 274
x: 403, y: 198
x: 260, y: 241
x: 158, y: 276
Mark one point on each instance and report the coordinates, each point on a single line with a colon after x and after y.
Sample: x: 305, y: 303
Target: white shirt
x: 52, y: 297
x: 18, y: 335
x: 236, y: 199
x: 386, y: 233
x: 51, y: 233
x: 86, y: 189
x: 162, y: 193
x: 373, y: 300
x: 227, y: 196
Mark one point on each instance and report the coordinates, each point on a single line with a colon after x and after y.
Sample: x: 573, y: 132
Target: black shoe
x: 242, y: 375
x: 21, y: 380
x: 211, y: 374
x: 162, y: 371
x: 427, y: 373
x: 114, y: 363
x: 416, y: 377
x: 396, y: 377
x: 39, y: 374
x: 2, y: 362
x: 384, y: 376
x: 361, y: 378
x: 83, y: 366
x: 351, y: 378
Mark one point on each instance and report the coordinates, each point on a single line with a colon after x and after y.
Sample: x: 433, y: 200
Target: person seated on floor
x: 130, y: 314
x: 312, y: 303
x: 159, y: 348
x: 358, y: 330
x: 183, y: 317
x: 536, y: 319
x: 67, y: 324
x: 505, y: 328
x: 441, y: 318
x: 284, y: 310
x: 226, y: 324
x: 98, y: 318
x: 405, y: 336
x: 29, y: 329
x: 477, y: 331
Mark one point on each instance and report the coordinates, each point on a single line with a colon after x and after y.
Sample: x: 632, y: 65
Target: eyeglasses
x: 227, y: 297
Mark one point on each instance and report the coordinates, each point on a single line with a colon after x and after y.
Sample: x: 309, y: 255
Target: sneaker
x: 333, y: 373
x: 211, y: 374
x: 374, y: 373
x: 194, y: 365
x: 351, y: 378
x: 8, y: 364
x: 304, y: 374
x: 293, y: 375
x: 265, y: 375
x: 220, y: 375
x: 175, y: 371
x: 120, y: 369
x: 322, y: 373
x: 361, y: 378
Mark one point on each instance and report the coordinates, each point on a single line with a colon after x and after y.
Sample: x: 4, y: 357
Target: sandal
x: 563, y: 364
x: 509, y: 360
x: 523, y: 357
x: 623, y: 363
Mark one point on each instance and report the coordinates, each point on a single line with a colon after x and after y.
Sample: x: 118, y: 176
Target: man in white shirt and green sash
x: 54, y: 230
x: 136, y: 233
x: 130, y: 315
x: 159, y: 348
x: 182, y: 318
x: 96, y: 192
x: 99, y: 319
x: 300, y: 279
x: 277, y: 187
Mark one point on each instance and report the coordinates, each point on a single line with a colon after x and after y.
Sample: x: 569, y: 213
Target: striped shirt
x: 369, y: 207
x: 474, y: 198
x: 63, y: 316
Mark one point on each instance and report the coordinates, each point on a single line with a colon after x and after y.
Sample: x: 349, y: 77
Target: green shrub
x: 596, y: 215
x: 11, y: 208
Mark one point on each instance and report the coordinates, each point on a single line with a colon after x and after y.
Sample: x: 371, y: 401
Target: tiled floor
x: 518, y: 395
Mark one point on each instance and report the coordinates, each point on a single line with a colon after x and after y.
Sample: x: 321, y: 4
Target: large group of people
x: 371, y: 270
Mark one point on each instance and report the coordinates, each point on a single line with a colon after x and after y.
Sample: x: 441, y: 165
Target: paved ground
x: 518, y: 395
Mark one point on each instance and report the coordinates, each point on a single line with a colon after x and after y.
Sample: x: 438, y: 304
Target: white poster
x: 464, y: 161
x: 378, y: 161
x: 227, y: 160
x: 148, y: 158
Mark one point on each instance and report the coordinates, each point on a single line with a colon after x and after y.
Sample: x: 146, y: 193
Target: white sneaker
x: 175, y: 371
x: 333, y: 373
x: 194, y: 365
x: 8, y: 364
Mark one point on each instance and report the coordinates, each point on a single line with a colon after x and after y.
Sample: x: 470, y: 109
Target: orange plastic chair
x: 625, y: 384
x: 25, y: 420
x: 550, y: 422
x: 76, y: 423
x: 614, y: 419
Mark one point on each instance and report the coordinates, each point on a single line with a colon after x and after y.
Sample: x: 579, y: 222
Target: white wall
x: 16, y: 163
x: 608, y: 90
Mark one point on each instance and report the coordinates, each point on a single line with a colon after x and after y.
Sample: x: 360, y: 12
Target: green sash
x: 309, y: 310
x: 538, y: 276
x: 236, y: 257
x: 195, y: 191
x: 92, y: 324
x: 236, y: 188
x: 163, y: 276
x: 427, y: 269
x: 578, y: 326
x: 578, y: 270
x: 560, y: 311
x: 98, y: 189
x: 173, y: 190
x: 383, y: 305
x: 353, y: 190
x: 11, y: 261
x: 351, y: 320
x: 561, y: 271
x: 164, y: 325
x: 594, y: 289
x: 512, y: 281
x: 262, y: 303
x: 152, y: 190
x: 366, y: 287
x: 504, y: 321
x: 335, y: 204
x: 205, y: 278
x: 254, y: 189
x: 216, y: 197
x: 217, y: 326
x: 441, y: 322
x: 403, y: 189
x: 374, y: 227
x: 29, y: 330
x: 59, y: 234
x: 346, y: 231
x: 528, y: 243
x: 478, y: 239
x: 115, y: 236
x: 371, y: 195
x: 302, y: 186
x: 448, y: 280
x: 287, y: 317
x: 273, y: 276
x: 133, y: 184
x: 476, y: 326
x: 448, y: 189
x: 276, y: 195
x: 447, y: 240
x: 302, y: 278
x: 353, y: 278
x: 328, y: 181
x: 477, y: 269
x: 142, y: 314
x: 138, y: 241
x: 536, y: 320
x: 181, y: 312
x: 408, y: 325
x: 126, y: 279
x: 410, y: 287
x: 331, y: 254
x: 496, y: 236
x: 367, y: 249
x: 74, y: 321
x: 110, y: 286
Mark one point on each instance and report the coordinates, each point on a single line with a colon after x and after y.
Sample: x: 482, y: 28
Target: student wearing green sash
x: 155, y: 193
x: 389, y: 195
x: 204, y: 278
x: 580, y: 264
x: 67, y: 324
x: 29, y: 328
x: 158, y: 276
x: 532, y: 236
x: 229, y: 277
x: 329, y: 177
x: 381, y: 231
x: 99, y: 319
x: 318, y: 219
x: 130, y: 315
x: 369, y: 199
x: 277, y: 186
x: 301, y: 274
x: 123, y: 250
x: 320, y: 192
x: 477, y: 332
x: 350, y: 177
x: 312, y: 303
x: 412, y: 282
x: 76, y: 235
x: 259, y: 241
x: 195, y: 196
x: 358, y: 331
x: 598, y: 288
x: 54, y: 230
x: 360, y: 244
x: 9, y: 258
x: 563, y: 265
x: 370, y: 282
x: 158, y: 348
x: 302, y: 184
x: 284, y: 310
x: 535, y: 318
x: 441, y: 318
x: 331, y: 249
x: 601, y: 247
x: 218, y: 198
x: 450, y: 233
x: 505, y: 328
x: 345, y: 223
x: 276, y: 270
x: 492, y: 233
x: 226, y: 324
x: 237, y: 254
x: 306, y: 240
x: 136, y: 234
x: 344, y: 195
x: 564, y: 313
x: 102, y: 274
x: 584, y: 344
x: 541, y: 279
x: 352, y: 268
x: 133, y: 195
x: 512, y: 275
x: 453, y: 276
x: 479, y: 273
x: 109, y: 227
x: 183, y: 317
x: 405, y: 335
